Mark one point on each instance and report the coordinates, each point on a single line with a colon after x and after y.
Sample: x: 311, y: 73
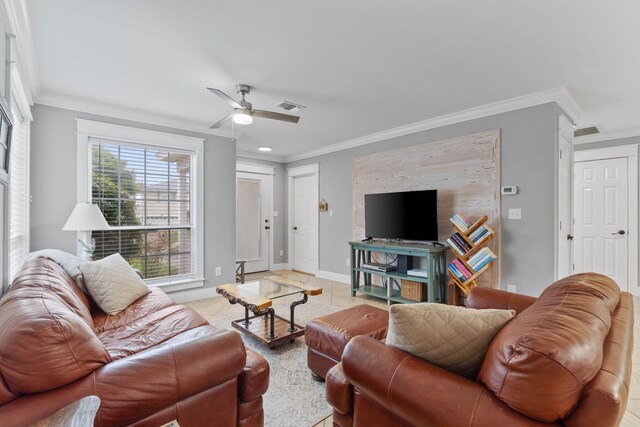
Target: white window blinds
x: 19, y: 192
x: 145, y: 195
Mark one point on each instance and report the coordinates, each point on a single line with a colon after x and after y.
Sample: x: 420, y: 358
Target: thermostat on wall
x: 509, y: 191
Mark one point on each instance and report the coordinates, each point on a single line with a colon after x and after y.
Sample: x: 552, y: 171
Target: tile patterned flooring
x: 339, y: 295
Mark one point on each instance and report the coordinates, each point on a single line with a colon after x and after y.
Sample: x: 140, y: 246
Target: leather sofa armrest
x: 421, y: 393
x: 137, y: 386
x: 495, y: 298
x: 254, y: 379
x: 339, y: 390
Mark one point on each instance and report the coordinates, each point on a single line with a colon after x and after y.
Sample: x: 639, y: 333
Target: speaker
x: 405, y: 263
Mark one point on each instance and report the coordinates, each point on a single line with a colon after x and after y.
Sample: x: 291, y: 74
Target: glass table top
x: 269, y: 289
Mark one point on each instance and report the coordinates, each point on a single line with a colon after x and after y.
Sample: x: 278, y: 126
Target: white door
x: 565, y: 199
x: 305, y: 223
x: 252, y: 221
x: 601, y: 218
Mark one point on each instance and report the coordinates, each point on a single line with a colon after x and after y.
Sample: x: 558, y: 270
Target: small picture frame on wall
x: 6, y: 126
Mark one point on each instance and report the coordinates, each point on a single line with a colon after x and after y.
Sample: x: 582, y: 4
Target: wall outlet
x: 512, y: 288
x: 330, y: 214
x: 348, y: 262
x: 275, y: 213
x: 515, y: 213
x: 218, y: 271
x: 281, y: 252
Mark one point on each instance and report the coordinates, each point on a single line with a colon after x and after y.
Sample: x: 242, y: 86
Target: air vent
x: 591, y: 130
x: 291, y: 107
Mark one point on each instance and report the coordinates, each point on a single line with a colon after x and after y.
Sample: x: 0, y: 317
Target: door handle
x: 266, y: 227
x: 295, y: 228
x: 569, y: 237
x: 620, y: 232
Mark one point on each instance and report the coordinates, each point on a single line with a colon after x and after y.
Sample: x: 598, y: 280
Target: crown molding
x: 98, y: 108
x: 20, y: 26
x: 559, y: 95
x: 609, y: 136
x: 259, y: 156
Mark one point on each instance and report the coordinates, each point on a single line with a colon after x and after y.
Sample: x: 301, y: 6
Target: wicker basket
x: 415, y: 291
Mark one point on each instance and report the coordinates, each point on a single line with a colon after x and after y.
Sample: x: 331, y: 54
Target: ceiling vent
x: 291, y: 107
x: 591, y: 130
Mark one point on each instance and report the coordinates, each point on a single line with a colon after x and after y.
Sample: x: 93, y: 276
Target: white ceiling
x: 359, y: 66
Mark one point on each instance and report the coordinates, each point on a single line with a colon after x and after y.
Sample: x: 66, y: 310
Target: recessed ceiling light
x: 265, y: 148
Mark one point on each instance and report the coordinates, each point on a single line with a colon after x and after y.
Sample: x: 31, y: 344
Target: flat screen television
x: 409, y: 215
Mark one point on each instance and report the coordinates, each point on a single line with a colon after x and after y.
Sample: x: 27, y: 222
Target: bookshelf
x: 472, y: 256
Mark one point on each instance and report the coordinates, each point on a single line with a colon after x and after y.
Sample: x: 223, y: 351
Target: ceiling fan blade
x: 221, y: 122
x: 226, y: 97
x: 275, y: 116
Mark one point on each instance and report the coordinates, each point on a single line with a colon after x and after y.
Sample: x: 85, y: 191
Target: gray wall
x: 278, y: 227
x: 53, y: 187
x: 528, y: 140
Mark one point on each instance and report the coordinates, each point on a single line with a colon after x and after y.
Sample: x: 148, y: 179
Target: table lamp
x: 86, y: 217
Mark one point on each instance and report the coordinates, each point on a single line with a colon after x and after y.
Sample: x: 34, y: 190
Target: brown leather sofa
x: 149, y: 364
x: 565, y: 359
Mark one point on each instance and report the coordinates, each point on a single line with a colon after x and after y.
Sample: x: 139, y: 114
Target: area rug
x: 294, y: 399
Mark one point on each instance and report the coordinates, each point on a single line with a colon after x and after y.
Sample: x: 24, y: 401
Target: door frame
x: 630, y: 152
x: 270, y: 171
x: 565, y: 131
x: 310, y: 169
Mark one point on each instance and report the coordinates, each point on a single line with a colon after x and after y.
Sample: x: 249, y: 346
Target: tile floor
x: 339, y: 294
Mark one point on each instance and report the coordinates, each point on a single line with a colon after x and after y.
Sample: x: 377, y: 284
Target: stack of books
x: 459, y: 244
x: 461, y: 222
x: 476, y: 262
x: 479, y: 234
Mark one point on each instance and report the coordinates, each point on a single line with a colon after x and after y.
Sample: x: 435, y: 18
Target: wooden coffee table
x: 257, y: 296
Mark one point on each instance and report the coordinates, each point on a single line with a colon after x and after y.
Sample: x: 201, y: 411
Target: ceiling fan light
x: 242, y: 117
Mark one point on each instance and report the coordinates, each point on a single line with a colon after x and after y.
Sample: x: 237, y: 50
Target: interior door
x: 252, y: 221
x: 305, y: 223
x: 601, y: 218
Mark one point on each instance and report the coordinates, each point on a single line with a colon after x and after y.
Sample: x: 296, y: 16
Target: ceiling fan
x: 243, y: 112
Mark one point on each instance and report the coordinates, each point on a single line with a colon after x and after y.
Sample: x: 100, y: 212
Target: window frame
x: 136, y: 137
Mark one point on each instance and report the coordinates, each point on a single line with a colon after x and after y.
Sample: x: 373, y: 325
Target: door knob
x: 295, y: 228
x: 569, y: 237
x: 620, y: 232
x: 266, y: 227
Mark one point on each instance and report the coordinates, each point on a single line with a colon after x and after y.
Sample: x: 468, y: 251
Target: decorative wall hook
x: 323, y: 206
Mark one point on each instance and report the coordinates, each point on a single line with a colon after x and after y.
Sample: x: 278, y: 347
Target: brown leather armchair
x: 151, y: 363
x: 378, y: 385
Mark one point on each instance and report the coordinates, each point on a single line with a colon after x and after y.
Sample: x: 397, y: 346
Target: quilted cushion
x: 453, y: 338
x: 113, y: 283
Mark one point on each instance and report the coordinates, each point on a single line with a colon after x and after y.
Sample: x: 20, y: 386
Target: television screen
x: 409, y: 215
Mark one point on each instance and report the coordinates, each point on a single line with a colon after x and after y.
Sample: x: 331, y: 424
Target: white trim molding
x: 283, y: 266
x: 19, y: 25
x: 124, y: 113
x: 631, y: 153
x: 303, y: 170
x: 335, y: 277
x: 252, y: 168
x: 560, y: 96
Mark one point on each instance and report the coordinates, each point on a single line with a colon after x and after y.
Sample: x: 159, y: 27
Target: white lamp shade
x: 86, y: 217
x: 242, y: 117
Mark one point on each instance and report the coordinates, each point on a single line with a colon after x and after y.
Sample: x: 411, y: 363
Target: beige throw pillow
x: 453, y: 338
x: 113, y: 283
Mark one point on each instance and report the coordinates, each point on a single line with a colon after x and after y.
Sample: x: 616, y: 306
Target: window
x: 145, y: 196
x: 19, y: 191
x: 148, y: 185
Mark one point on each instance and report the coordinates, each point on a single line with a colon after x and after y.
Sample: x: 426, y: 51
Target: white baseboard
x: 336, y: 277
x: 186, y: 296
x: 275, y: 267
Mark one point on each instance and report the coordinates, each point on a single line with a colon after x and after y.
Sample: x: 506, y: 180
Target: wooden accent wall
x: 465, y: 171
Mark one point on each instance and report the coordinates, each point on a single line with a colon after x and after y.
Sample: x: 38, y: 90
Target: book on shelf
x: 479, y: 260
x: 455, y: 247
x: 462, y: 243
x: 456, y: 272
x: 461, y: 222
x: 462, y: 268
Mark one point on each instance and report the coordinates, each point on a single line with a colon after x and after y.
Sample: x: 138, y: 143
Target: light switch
x: 275, y: 213
x: 330, y: 214
x: 515, y: 213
